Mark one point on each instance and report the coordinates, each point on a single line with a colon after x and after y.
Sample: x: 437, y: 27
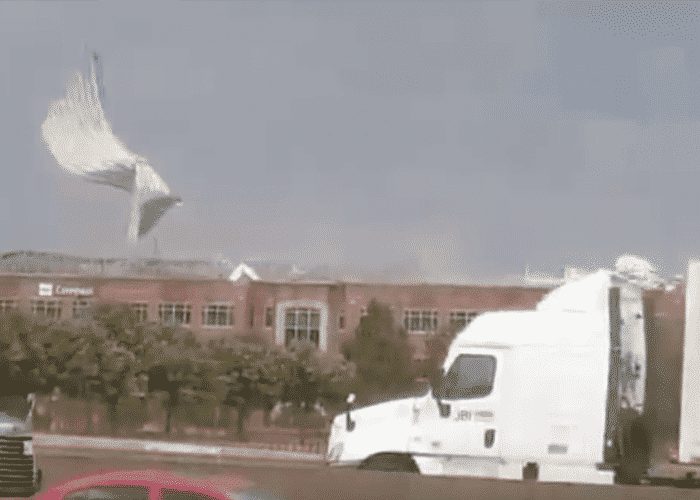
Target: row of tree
x: 111, y: 356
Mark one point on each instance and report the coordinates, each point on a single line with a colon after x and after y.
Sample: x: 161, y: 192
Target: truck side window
x: 470, y: 376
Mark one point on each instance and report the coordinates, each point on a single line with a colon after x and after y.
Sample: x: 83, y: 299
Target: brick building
x: 224, y: 304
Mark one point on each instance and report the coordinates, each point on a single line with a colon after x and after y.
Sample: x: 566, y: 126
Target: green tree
x: 84, y: 360
x: 381, y: 354
x: 436, y: 347
x: 318, y: 376
x: 115, y: 375
x: 69, y: 356
x: 250, y: 376
x: 122, y: 326
x: 21, y: 359
x: 171, y: 358
x: 254, y: 376
x: 111, y: 355
x: 88, y: 361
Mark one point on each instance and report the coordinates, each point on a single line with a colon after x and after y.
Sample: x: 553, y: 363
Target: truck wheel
x: 390, y: 462
x: 635, y: 459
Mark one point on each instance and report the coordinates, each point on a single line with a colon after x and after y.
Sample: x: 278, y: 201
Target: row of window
x: 300, y: 323
x: 7, y: 305
x: 419, y: 321
x: 216, y: 314
x: 424, y: 321
x: 168, y: 313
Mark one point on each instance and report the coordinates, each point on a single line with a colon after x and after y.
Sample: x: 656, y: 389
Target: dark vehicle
x: 19, y: 475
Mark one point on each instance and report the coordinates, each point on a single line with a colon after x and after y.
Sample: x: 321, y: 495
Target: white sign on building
x: 49, y: 290
x: 74, y: 290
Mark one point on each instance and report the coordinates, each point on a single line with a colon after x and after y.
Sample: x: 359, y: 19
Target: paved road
x: 299, y: 481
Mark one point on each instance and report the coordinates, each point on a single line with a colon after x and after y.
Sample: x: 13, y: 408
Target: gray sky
x: 461, y: 139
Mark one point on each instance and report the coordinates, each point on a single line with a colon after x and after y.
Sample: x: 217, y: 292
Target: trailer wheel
x: 635, y: 452
x: 390, y: 462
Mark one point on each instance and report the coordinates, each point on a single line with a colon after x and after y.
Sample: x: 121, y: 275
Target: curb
x: 169, y: 448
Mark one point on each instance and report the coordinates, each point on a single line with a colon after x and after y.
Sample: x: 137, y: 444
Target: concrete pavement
x: 307, y: 481
x: 54, y: 441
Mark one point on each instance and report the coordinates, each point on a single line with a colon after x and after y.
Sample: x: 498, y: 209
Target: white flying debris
x: 639, y: 271
x: 82, y: 142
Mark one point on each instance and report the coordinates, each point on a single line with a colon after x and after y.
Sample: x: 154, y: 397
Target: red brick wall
x: 250, y: 300
x: 197, y: 293
x: 443, y: 298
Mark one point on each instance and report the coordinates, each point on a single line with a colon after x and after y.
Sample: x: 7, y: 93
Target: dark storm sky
x: 454, y: 140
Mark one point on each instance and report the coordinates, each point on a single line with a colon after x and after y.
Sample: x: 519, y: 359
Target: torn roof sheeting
x: 81, y: 140
x: 28, y: 262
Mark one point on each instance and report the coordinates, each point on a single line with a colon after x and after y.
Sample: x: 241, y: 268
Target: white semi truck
x: 555, y: 394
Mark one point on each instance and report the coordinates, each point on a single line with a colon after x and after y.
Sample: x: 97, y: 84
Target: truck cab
x: 524, y: 394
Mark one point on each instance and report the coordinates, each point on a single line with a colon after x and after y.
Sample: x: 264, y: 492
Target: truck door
x: 467, y: 426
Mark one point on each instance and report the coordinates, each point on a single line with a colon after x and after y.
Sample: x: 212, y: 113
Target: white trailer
x: 555, y: 394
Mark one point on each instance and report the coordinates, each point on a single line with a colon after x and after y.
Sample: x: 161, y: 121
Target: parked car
x: 154, y: 485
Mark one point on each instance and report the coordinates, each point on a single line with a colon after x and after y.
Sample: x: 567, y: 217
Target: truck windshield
x: 470, y: 376
x: 14, y: 406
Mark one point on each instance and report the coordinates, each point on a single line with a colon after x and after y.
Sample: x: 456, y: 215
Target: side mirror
x: 439, y: 393
x: 437, y: 382
x: 349, y: 422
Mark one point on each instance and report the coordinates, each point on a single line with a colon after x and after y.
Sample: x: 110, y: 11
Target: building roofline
x: 402, y: 284
x: 224, y: 279
x: 49, y: 276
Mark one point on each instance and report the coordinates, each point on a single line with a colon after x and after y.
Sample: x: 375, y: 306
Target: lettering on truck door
x: 467, y: 426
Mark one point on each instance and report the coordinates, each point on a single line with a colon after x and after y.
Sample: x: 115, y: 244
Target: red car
x: 153, y: 485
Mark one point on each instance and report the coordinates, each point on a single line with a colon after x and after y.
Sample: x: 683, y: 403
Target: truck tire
x: 635, y: 452
x: 390, y: 462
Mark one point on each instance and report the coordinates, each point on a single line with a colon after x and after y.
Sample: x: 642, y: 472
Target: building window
x: 49, y: 309
x: 341, y: 320
x: 174, y: 314
x: 140, y: 311
x: 460, y: 319
x: 81, y: 309
x: 302, y: 324
x: 269, y: 317
x: 420, y: 321
x: 217, y: 315
x: 7, y: 305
